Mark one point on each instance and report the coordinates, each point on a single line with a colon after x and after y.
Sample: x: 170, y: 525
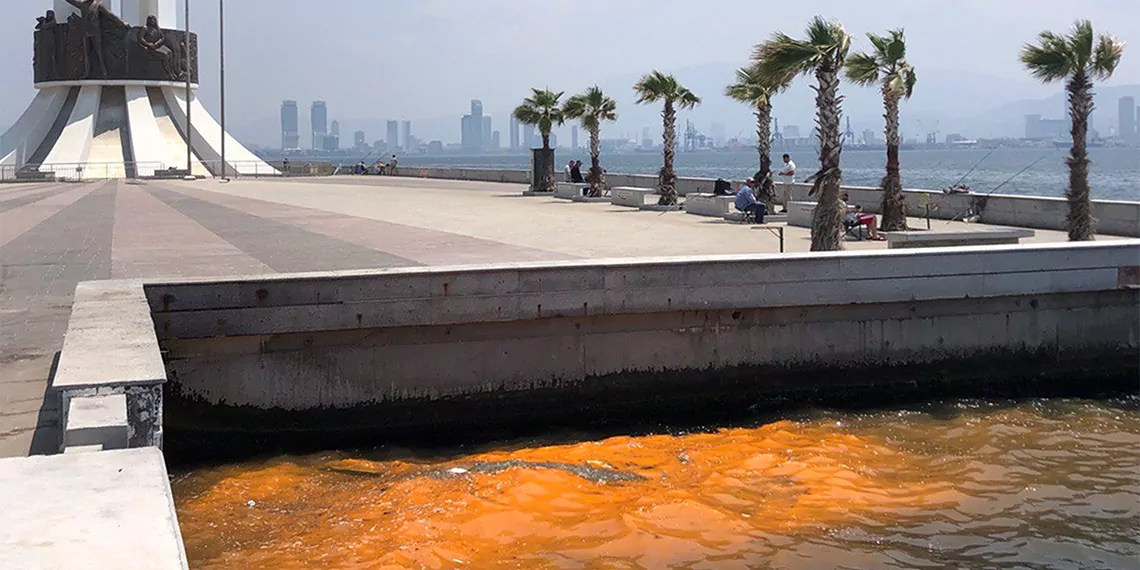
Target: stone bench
x: 738, y: 216
x: 901, y: 240
x: 800, y: 214
x: 110, y: 349
x: 633, y: 197
x: 709, y: 205
x: 568, y: 190
x: 96, y: 423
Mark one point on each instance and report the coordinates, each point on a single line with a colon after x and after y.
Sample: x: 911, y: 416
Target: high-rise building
x: 553, y: 140
x: 515, y: 147
x: 334, y: 129
x: 407, y: 136
x: 495, y: 140
x: 646, y: 139
x: 476, y: 128
x: 393, y: 135
x: 529, y: 138
x: 869, y: 136
x: 290, y: 125
x: 791, y: 132
x: 574, y: 137
x: 1128, y: 118
x: 358, y: 139
x: 319, y: 118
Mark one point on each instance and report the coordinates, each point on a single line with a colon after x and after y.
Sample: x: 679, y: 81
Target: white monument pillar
x: 135, y: 12
x: 63, y: 10
x: 141, y: 109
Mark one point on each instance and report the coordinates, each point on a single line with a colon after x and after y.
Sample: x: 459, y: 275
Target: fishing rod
x: 1019, y: 173
x: 979, y: 163
x: 971, y: 215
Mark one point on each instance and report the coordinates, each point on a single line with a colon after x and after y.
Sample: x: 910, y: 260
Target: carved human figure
x: 49, y: 49
x: 90, y: 17
x: 153, y: 40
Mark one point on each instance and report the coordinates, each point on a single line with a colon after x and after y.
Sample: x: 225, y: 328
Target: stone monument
x: 112, y: 99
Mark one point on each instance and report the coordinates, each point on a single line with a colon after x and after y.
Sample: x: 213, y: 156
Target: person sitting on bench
x: 855, y: 216
x: 746, y: 202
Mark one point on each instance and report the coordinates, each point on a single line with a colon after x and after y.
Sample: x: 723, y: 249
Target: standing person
x: 569, y: 170
x: 746, y: 202
x: 285, y: 166
x: 392, y: 165
x: 787, y: 180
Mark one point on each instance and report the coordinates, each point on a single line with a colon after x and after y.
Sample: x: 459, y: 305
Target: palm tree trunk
x: 827, y: 224
x: 1080, y: 220
x: 549, y: 182
x: 766, y: 189
x: 894, y: 203
x: 667, y: 180
x: 596, y: 177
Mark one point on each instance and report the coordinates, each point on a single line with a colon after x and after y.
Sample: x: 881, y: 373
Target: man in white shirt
x: 569, y: 166
x: 787, y: 179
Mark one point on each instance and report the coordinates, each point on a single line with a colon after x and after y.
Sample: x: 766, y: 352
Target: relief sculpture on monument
x: 95, y: 44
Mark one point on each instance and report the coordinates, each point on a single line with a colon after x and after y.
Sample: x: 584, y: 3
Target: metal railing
x: 95, y: 171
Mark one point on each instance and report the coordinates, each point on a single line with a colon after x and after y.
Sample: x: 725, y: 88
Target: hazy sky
x: 420, y: 59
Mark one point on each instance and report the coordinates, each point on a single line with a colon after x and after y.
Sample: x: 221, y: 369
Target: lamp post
x: 222, y: 66
x: 189, y: 128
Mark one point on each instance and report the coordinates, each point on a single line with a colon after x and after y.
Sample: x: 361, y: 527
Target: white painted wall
x: 135, y: 12
x: 207, y: 137
x: 151, y: 149
x: 74, y: 144
x: 24, y: 137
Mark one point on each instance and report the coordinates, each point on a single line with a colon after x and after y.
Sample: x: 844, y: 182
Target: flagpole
x: 189, y: 74
x: 222, y: 34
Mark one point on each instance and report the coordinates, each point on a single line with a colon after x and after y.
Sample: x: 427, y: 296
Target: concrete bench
x: 96, y: 422
x: 110, y: 349
x: 900, y: 240
x: 568, y: 190
x: 709, y: 205
x: 633, y: 197
x: 800, y: 214
x: 738, y: 216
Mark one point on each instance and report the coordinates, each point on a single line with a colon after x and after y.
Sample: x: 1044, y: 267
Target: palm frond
x: 1109, y: 50
x: 896, y: 49
x: 909, y: 79
x: 1047, y: 60
x: 591, y: 108
x: 784, y: 56
x: 1080, y: 44
x: 863, y: 69
x: 653, y: 86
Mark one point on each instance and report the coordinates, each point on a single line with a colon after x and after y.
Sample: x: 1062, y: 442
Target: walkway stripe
x: 19, y: 220
x: 154, y: 240
x: 422, y: 245
x: 283, y: 247
x: 11, y: 203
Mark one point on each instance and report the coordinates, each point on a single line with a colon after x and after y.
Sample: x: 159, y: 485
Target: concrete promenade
x: 52, y: 236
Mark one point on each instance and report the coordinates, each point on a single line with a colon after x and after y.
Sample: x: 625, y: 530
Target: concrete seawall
x: 1114, y: 217
x: 423, y: 349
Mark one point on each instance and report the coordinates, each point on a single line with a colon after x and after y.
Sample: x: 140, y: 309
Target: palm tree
x: 887, y: 67
x: 591, y: 108
x: 1078, y: 59
x: 756, y: 90
x: 543, y: 110
x: 654, y: 87
x: 823, y: 53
